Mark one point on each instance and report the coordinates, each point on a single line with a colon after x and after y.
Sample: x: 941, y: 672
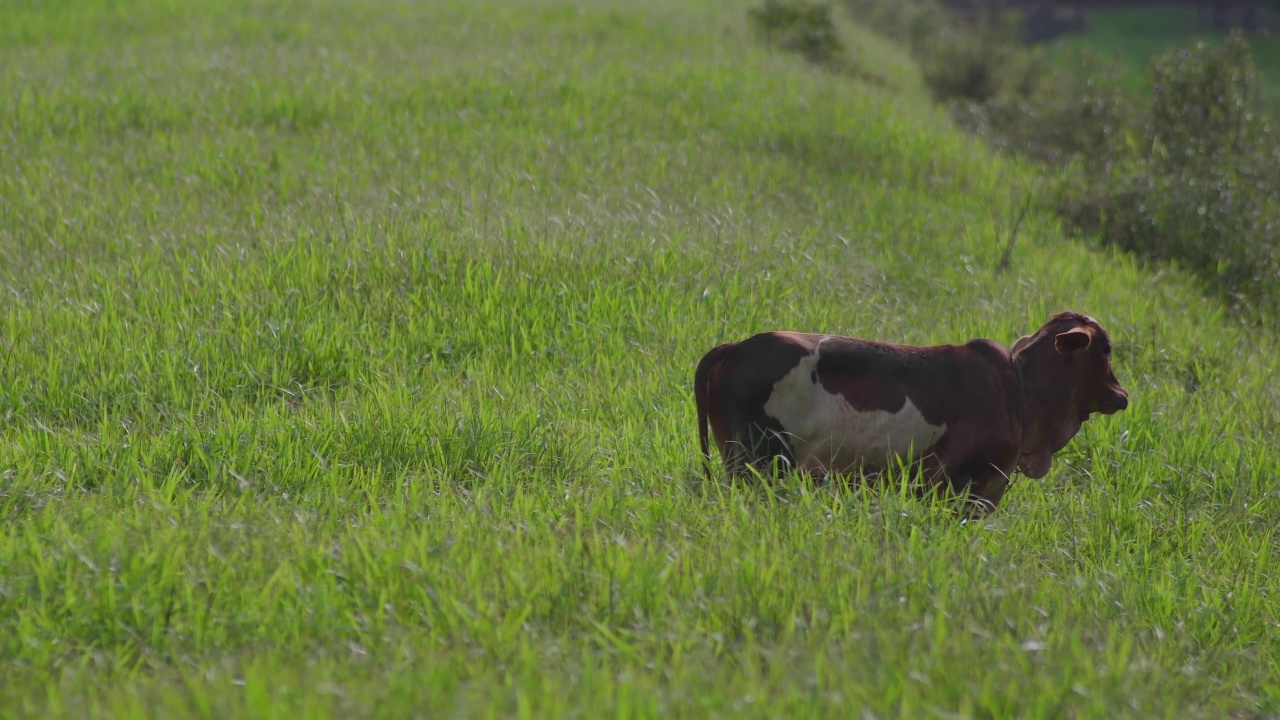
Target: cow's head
x: 1067, y: 373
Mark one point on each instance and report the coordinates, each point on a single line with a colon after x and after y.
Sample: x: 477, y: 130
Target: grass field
x: 345, y: 363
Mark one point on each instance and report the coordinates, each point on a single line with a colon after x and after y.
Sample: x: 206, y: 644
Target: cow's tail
x: 702, y: 397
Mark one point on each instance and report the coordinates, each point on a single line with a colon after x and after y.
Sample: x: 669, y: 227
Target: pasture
x: 345, y: 371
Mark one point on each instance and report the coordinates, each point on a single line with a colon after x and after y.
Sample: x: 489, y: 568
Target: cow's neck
x: 1022, y: 405
x: 1047, y: 410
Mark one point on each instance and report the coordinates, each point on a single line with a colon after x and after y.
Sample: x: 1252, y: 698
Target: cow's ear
x: 1072, y: 341
x: 1021, y: 343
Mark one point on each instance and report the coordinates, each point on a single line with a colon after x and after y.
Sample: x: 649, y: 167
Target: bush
x: 1190, y: 175
x: 915, y: 23
x: 979, y: 63
x: 1187, y: 171
x: 1199, y: 107
x: 798, y: 26
x: 1209, y: 222
x: 1082, y: 115
x: 1207, y: 192
x: 966, y: 58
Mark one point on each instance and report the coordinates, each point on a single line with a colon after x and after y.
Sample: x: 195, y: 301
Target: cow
x: 967, y: 415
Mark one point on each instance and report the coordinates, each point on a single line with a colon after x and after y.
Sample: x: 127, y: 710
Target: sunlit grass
x: 345, y: 368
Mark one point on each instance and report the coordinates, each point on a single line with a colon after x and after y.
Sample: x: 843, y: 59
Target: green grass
x: 345, y: 365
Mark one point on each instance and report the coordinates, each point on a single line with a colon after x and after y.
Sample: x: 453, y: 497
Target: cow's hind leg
x: 769, y: 449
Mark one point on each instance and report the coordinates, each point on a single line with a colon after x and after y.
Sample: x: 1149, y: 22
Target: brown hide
x: 1003, y: 410
x: 735, y: 380
x: 946, y: 382
x: 1067, y: 368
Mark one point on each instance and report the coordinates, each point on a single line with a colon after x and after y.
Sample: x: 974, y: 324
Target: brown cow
x: 971, y: 413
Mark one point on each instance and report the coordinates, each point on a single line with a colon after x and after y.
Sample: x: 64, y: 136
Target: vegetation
x: 1133, y: 37
x: 345, y: 364
x: 804, y: 27
x: 1185, y: 172
x: 1180, y: 168
x: 974, y: 59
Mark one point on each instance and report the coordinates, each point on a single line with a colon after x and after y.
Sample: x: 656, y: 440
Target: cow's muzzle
x: 1119, y: 401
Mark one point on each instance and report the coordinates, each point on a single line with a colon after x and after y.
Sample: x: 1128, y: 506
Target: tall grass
x: 345, y: 362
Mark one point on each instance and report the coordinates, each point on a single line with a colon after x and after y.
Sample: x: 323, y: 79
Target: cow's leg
x: 985, y: 492
x: 737, y: 453
x: 979, y: 486
x: 735, y: 424
x: 750, y: 447
x: 759, y: 442
x: 770, y: 451
x: 937, y: 470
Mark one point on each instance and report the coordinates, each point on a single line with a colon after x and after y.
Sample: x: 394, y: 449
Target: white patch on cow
x: 826, y: 433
